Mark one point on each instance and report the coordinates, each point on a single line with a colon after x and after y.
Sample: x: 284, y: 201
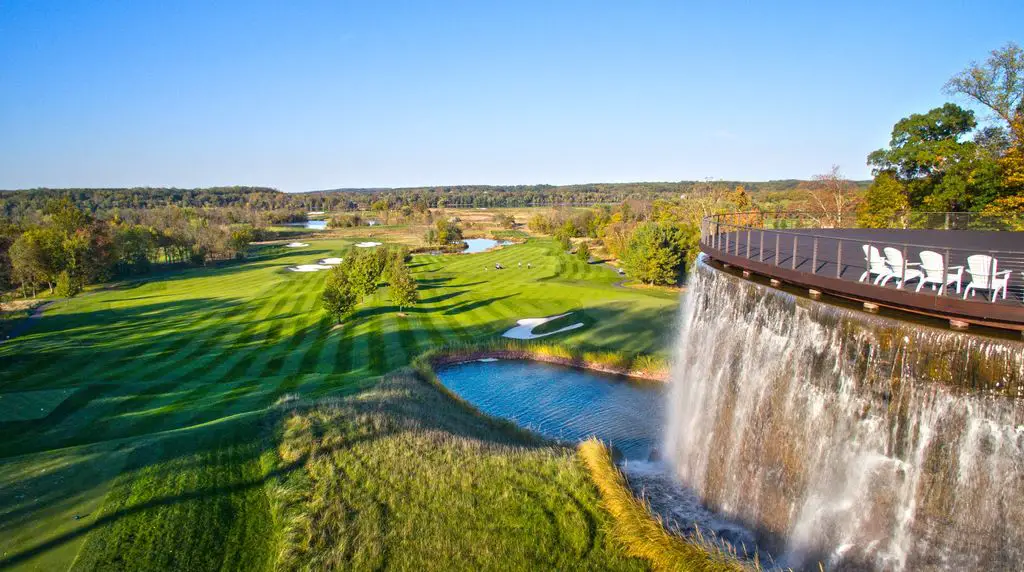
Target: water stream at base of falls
x: 848, y: 439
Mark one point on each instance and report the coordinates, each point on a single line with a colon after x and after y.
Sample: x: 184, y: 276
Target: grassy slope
x: 172, y: 377
x: 406, y: 478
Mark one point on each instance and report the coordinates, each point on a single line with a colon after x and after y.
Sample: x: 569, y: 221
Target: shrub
x: 68, y: 285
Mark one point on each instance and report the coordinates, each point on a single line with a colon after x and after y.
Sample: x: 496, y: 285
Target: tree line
x: 293, y: 207
x: 65, y: 248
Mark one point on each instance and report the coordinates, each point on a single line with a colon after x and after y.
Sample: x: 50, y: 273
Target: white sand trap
x: 524, y: 331
x: 295, y: 245
x: 331, y: 261
x: 367, y: 244
x: 309, y: 268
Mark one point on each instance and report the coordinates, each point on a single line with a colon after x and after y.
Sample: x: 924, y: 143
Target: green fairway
x: 133, y: 420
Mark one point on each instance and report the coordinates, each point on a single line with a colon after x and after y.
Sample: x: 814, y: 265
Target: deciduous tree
x: 339, y: 297
x: 403, y: 288
x: 997, y: 84
x: 884, y: 201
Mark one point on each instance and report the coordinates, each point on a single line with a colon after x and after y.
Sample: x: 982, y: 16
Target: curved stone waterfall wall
x: 841, y: 437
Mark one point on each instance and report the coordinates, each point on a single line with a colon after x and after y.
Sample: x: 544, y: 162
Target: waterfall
x: 844, y: 438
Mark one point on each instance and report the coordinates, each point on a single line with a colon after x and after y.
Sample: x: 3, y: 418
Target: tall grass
x: 641, y: 533
x: 401, y: 477
x: 617, y: 362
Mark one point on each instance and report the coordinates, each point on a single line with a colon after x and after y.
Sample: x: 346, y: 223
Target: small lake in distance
x: 476, y: 245
x: 309, y: 224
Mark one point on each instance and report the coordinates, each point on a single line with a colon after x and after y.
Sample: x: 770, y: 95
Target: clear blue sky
x: 308, y: 95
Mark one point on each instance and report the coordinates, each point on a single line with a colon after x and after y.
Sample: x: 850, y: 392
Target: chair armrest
x: 952, y: 268
x: 1003, y: 273
x: 913, y: 264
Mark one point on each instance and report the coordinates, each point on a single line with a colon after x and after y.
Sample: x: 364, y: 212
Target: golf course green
x: 215, y: 419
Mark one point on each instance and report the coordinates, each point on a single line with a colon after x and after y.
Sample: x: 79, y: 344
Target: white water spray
x: 848, y: 439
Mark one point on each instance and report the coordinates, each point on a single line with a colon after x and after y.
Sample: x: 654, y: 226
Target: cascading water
x: 843, y: 438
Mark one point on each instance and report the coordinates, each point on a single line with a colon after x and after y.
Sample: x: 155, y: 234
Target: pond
x: 476, y: 245
x: 572, y: 405
x: 309, y: 224
x: 564, y: 403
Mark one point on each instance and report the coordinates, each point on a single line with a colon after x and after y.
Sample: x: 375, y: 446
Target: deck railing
x: 829, y: 247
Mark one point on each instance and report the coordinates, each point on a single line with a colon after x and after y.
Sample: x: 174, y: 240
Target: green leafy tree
x: 403, y: 288
x: 384, y: 208
x: 339, y: 296
x: 445, y: 232
x: 926, y: 154
x: 884, y: 202
x: 583, y: 252
x: 365, y: 268
x: 37, y: 257
x: 241, y: 236
x: 65, y: 216
x: 564, y: 241
x: 8, y: 234
x: 656, y: 254
x: 68, y: 285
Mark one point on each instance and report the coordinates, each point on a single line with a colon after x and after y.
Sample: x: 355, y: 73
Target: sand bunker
x: 524, y: 329
x: 331, y: 261
x: 295, y: 245
x: 367, y: 244
x: 309, y: 267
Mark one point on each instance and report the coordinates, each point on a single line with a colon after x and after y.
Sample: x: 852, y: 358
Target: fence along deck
x: 832, y: 261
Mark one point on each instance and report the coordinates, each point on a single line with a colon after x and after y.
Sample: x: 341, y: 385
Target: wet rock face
x: 860, y: 441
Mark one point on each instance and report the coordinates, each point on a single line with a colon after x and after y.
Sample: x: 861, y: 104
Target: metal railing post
x: 793, y: 261
x: 903, y: 277
x: 839, y: 259
x: 777, y: 235
x: 814, y: 257
x: 748, y: 243
x: 945, y: 269
x: 992, y: 274
x: 867, y: 262
x: 760, y: 248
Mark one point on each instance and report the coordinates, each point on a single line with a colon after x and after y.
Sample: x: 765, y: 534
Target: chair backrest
x: 932, y: 264
x: 894, y: 258
x: 981, y: 267
x: 875, y: 261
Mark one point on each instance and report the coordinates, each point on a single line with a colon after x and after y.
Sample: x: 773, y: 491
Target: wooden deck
x: 832, y: 261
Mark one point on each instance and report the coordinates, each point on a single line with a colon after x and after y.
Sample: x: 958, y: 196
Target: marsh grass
x: 644, y: 366
x: 641, y: 533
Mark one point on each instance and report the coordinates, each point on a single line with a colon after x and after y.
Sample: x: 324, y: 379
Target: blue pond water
x: 564, y: 403
x: 310, y: 224
x: 482, y: 244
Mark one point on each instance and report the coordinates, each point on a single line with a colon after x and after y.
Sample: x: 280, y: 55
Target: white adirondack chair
x: 875, y: 263
x: 899, y: 269
x: 985, y: 275
x: 933, y: 266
